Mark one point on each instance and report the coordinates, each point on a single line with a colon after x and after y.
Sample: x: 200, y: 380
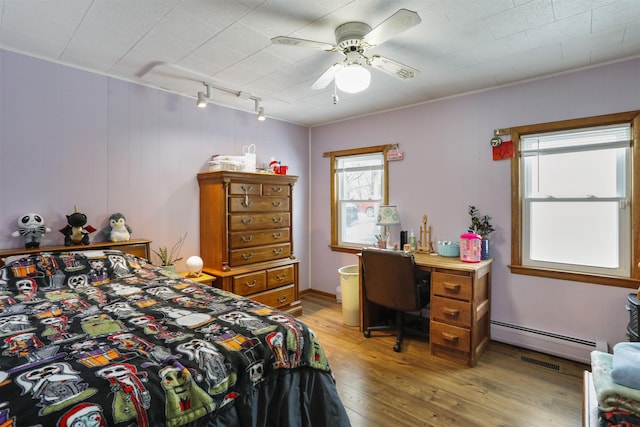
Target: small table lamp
x: 388, y: 215
x: 194, y: 266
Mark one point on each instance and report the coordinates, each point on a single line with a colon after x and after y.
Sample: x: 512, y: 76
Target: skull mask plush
x: 31, y: 227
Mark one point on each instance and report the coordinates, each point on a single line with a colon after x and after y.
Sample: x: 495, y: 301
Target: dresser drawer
x: 277, y: 297
x: 451, y: 311
x: 449, y: 336
x: 259, y: 204
x: 247, y: 284
x: 451, y: 285
x: 276, y: 190
x: 240, y: 222
x: 259, y: 254
x: 280, y: 276
x: 245, y: 239
x: 245, y: 188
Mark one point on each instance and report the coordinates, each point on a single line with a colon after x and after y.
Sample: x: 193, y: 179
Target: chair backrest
x: 390, y: 279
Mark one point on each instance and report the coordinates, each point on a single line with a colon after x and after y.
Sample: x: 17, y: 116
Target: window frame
x: 335, y: 216
x: 516, y: 266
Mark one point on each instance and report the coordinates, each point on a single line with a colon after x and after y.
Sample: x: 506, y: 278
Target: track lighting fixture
x: 203, y: 97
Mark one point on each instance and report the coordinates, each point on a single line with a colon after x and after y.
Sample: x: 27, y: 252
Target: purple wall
x: 448, y: 165
x: 70, y: 137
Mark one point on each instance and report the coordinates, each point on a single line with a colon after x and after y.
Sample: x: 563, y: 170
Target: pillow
x: 626, y: 364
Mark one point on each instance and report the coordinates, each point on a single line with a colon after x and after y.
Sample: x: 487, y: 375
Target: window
x: 358, y: 188
x: 573, y: 200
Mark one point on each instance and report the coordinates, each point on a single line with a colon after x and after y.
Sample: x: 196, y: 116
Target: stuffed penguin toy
x: 117, y: 230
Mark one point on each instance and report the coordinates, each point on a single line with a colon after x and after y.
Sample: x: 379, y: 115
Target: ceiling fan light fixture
x: 353, y: 78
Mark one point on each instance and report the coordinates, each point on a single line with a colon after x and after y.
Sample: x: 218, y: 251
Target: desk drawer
x: 451, y: 285
x: 451, y: 311
x: 449, y: 336
x: 275, y: 298
x: 247, y: 284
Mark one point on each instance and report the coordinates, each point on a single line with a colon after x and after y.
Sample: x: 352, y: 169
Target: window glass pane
x: 580, y: 138
x: 358, y: 228
x: 575, y: 174
x: 581, y: 233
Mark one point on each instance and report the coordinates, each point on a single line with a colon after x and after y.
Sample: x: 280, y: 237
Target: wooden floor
x: 509, y: 387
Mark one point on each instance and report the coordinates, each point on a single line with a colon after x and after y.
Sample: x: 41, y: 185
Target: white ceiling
x: 460, y: 46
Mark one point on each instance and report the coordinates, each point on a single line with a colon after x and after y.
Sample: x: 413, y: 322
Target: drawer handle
x: 277, y: 235
x: 247, y: 188
x: 281, y: 277
x: 455, y: 287
x: 246, y: 221
x: 276, y: 189
x: 451, y: 312
x: 247, y: 256
x: 252, y: 284
x: 282, y: 299
x: 277, y: 219
x: 277, y: 251
x: 247, y: 239
x: 449, y: 337
x: 246, y: 202
x: 276, y: 203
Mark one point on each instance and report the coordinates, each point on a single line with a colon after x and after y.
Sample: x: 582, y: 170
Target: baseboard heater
x: 572, y: 348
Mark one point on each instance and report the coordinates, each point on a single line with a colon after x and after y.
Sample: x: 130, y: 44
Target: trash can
x: 350, y: 295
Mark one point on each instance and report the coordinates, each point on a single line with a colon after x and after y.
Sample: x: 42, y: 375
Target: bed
x: 104, y: 338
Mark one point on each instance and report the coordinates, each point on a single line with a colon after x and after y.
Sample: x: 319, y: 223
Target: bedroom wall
x: 448, y: 165
x: 70, y: 137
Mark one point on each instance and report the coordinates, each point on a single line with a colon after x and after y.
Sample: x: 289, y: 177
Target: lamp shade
x: 388, y: 215
x: 353, y: 78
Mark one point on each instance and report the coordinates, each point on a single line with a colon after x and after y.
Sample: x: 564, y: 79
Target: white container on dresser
x: 246, y: 236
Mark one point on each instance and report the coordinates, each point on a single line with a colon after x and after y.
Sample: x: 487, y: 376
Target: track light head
x: 261, y: 115
x: 202, y: 102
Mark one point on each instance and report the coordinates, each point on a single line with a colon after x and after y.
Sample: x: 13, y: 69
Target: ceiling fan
x: 353, y: 39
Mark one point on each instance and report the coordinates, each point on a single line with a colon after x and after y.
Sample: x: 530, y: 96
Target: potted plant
x: 481, y: 225
x: 169, y: 256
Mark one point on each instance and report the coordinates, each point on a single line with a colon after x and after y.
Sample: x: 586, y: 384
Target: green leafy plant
x: 169, y: 256
x: 480, y: 224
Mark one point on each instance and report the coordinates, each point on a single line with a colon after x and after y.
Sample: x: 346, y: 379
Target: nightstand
x: 203, y: 278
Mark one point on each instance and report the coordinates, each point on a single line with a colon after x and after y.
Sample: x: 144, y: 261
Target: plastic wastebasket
x: 350, y: 287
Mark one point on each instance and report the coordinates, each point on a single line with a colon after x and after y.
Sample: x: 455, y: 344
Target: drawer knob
x: 454, y: 287
x: 247, y: 256
x: 451, y: 312
x: 276, y: 189
x: 281, y: 277
x: 277, y: 219
x: 247, y: 239
x: 282, y: 299
x: 276, y: 203
x: 246, y: 221
x: 449, y: 337
x: 277, y: 235
x: 252, y: 284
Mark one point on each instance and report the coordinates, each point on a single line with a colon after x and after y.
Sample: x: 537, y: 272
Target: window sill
x: 622, y: 282
x: 346, y: 249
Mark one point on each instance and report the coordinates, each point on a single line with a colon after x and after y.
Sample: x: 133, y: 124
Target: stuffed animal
x: 76, y: 231
x: 31, y: 227
x: 117, y: 230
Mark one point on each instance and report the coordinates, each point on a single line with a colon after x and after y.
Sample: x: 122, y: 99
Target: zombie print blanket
x: 103, y: 338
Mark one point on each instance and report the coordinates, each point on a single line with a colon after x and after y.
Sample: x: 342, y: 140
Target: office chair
x: 392, y: 281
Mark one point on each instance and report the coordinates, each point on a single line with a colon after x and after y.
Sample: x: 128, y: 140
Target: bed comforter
x: 103, y: 338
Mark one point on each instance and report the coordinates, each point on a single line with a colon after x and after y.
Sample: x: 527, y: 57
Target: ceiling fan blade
x: 327, y: 77
x: 397, y: 23
x: 393, y: 68
x: 292, y: 41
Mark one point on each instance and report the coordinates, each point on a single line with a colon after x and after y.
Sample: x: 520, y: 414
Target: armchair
x: 392, y: 281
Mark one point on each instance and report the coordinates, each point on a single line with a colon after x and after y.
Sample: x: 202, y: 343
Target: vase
x: 171, y: 268
x: 484, y: 249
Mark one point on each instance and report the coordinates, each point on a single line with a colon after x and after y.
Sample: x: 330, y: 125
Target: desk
x: 460, y: 309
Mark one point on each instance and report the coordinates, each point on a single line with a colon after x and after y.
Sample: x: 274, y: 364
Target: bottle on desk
x: 412, y: 241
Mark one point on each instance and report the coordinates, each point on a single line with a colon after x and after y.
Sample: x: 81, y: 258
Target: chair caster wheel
x: 367, y: 334
x: 396, y: 348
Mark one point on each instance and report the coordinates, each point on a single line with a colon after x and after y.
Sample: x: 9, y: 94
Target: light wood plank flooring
x: 382, y: 388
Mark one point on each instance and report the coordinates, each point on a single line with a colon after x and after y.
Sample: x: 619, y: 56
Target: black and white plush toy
x: 117, y: 230
x: 31, y: 227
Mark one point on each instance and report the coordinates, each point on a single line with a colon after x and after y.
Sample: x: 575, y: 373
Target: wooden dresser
x: 246, y: 236
x: 136, y: 247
